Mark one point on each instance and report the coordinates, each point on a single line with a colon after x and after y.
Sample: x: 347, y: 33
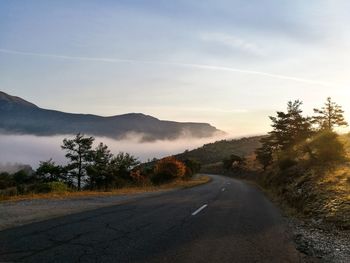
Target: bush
x: 192, y: 167
x: 57, y: 187
x: 6, y: 180
x: 286, y: 162
x: 168, y: 169
x: 325, y: 147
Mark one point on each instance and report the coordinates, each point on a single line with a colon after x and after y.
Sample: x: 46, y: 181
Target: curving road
x: 226, y: 220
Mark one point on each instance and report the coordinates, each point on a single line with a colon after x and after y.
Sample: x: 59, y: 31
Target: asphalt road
x: 224, y: 221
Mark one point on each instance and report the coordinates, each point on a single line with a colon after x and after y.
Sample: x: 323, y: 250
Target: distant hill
x: 20, y: 116
x: 215, y: 152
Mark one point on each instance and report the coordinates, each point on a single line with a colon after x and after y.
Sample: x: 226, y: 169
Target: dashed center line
x: 199, y: 209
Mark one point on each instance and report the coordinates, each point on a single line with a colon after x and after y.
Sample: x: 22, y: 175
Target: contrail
x: 191, y: 65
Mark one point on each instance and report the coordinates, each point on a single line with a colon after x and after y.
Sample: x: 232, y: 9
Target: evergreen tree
x: 99, y: 169
x: 264, y: 154
x: 122, y: 164
x: 79, y: 153
x: 329, y: 116
x: 289, y: 128
x: 48, y: 171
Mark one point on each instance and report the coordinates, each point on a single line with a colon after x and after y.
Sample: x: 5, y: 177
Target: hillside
x: 320, y: 192
x: 20, y: 116
x: 215, y: 152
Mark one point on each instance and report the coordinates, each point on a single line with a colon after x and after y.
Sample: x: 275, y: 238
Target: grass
x: 177, y: 184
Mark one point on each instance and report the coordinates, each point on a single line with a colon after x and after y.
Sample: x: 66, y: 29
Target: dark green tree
x: 98, y: 170
x: 21, y: 178
x: 79, y: 153
x: 264, y: 154
x: 329, y: 116
x: 290, y: 127
x: 48, y: 171
x: 192, y: 167
x: 122, y: 164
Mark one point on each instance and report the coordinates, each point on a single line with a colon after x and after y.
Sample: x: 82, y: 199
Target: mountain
x: 22, y: 117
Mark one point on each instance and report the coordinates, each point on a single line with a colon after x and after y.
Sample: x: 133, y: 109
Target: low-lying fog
x: 29, y: 149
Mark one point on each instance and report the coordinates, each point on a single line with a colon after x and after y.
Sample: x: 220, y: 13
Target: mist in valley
x: 30, y: 149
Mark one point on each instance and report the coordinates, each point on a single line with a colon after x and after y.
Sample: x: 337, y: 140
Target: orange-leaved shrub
x: 167, y: 169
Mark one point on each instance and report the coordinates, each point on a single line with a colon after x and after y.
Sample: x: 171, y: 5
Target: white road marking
x: 199, y: 209
x: 223, y: 189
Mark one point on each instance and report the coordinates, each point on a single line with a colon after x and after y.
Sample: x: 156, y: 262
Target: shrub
x: 57, y: 187
x: 286, y: 162
x: 325, y: 147
x: 168, y: 169
x: 192, y: 167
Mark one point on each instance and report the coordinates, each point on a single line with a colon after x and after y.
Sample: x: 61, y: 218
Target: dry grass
x: 122, y: 191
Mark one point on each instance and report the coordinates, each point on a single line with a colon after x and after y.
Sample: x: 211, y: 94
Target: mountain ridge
x: 23, y: 117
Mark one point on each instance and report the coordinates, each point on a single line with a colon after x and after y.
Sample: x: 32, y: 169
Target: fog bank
x: 29, y: 149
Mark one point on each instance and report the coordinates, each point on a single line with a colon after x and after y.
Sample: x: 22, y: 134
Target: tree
x: 79, y: 153
x: 264, y: 154
x: 192, y: 167
x: 329, y: 116
x: 98, y: 170
x: 48, y: 171
x: 122, y: 164
x: 21, y: 178
x: 291, y: 127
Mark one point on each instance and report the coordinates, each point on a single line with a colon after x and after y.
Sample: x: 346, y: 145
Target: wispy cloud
x: 234, y: 42
x: 190, y: 65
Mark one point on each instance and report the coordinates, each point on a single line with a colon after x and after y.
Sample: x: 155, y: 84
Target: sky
x: 229, y: 63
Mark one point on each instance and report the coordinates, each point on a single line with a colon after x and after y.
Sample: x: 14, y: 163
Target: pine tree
x: 79, y: 153
x: 329, y: 116
x: 99, y: 169
x: 291, y: 127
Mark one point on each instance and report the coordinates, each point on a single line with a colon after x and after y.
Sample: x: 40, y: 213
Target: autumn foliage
x: 167, y: 169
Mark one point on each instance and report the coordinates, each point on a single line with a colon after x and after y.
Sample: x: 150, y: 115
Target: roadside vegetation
x: 305, y: 163
x: 96, y: 170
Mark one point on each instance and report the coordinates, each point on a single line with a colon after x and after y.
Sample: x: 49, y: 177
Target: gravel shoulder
x: 17, y: 213
x: 320, y: 242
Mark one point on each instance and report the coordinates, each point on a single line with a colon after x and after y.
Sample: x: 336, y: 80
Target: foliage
x: 79, y: 153
x: 329, y: 116
x: 122, y: 164
x: 6, y: 180
x: 326, y: 147
x: 167, y: 169
x: 284, y: 162
x: 49, y: 187
x: 48, y: 171
x: 192, y: 167
x: 264, y: 154
x: 234, y: 161
x: 219, y: 150
x: 289, y: 128
x: 137, y: 176
x: 98, y: 169
x: 292, y: 137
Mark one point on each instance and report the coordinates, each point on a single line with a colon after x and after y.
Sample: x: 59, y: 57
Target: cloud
x: 234, y: 42
x: 156, y: 62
